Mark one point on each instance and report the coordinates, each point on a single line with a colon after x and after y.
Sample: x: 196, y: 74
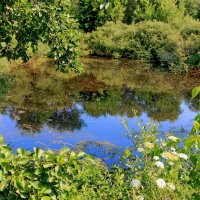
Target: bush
x: 59, y: 175
x: 164, y: 168
x: 155, y: 168
x: 168, y: 45
x: 190, y: 31
x: 161, y: 43
x: 156, y: 41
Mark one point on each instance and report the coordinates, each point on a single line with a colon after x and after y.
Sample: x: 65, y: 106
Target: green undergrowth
x: 153, y: 169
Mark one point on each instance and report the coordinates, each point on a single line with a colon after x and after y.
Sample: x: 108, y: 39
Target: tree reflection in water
x: 42, y: 97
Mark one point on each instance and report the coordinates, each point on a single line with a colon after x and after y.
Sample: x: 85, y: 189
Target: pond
x: 44, y: 108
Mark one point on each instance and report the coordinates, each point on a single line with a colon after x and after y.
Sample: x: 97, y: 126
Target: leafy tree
x: 192, y: 8
x: 162, y: 10
x: 25, y: 22
x: 94, y: 13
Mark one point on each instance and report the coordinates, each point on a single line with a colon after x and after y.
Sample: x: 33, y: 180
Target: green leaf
x: 48, y: 164
x: 107, y: 5
x: 20, y: 151
x: 3, y: 185
x: 23, y: 161
x: 38, y: 152
x: 3, y: 44
x: 36, y: 184
x: 192, y: 141
x: 195, y: 92
x: 1, y: 139
x: 46, y: 198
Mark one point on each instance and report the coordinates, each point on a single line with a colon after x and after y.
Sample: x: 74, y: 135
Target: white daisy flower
x: 149, y: 145
x: 161, y: 183
x: 171, y: 163
x: 173, y: 149
x: 171, y: 186
x: 140, y: 197
x: 156, y: 158
x: 140, y: 149
x: 172, y: 138
x: 160, y: 164
x: 135, y: 183
x: 164, y: 144
x: 182, y: 155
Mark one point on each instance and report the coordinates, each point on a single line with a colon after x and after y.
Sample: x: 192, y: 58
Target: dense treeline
x: 94, y: 13
x: 172, y: 25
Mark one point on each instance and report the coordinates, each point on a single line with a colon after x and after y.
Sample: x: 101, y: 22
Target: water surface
x: 48, y: 109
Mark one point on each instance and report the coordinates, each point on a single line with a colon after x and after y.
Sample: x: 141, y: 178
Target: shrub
x: 59, y: 175
x: 164, y: 168
x: 154, y: 168
x: 156, y: 41
x: 175, y: 46
x: 190, y: 31
x: 111, y: 39
x: 161, y: 43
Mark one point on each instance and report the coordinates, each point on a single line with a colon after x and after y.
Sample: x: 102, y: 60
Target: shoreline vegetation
x: 65, y: 174
x: 164, y: 32
x: 173, y: 47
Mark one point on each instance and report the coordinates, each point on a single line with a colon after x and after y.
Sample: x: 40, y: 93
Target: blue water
x: 90, y: 118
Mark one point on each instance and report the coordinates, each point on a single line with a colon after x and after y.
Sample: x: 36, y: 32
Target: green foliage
x: 196, y: 128
x: 190, y: 31
x: 56, y: 175
x: 161, y: 10
x: 195, y: 92
x: 192, y: 8
x: 69, y: 175
x: 93, y: 13
x: 24, y: 23
x: 154, y: 41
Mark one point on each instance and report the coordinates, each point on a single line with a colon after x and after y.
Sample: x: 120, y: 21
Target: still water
x: 48, y: 109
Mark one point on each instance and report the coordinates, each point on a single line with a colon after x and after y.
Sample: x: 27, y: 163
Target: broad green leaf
x: 48, y: 164
x: 195, y: 92
x: 46, y: 198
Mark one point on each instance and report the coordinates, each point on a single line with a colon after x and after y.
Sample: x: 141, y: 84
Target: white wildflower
x: 156, y: 158
x: 170, y: 155
x: 140, y: 197
x: 173, y: 138
x: 149, y: 145
x: 173, y: 149
x: 171, y: 163
x: 182, y: 155
x: 160, y: 164
x: 175, y: 153
x: 135, y: 183
x: 161, y: 183
x: 140, y: 149
x: 163, y: 144
x: 171, y: 186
